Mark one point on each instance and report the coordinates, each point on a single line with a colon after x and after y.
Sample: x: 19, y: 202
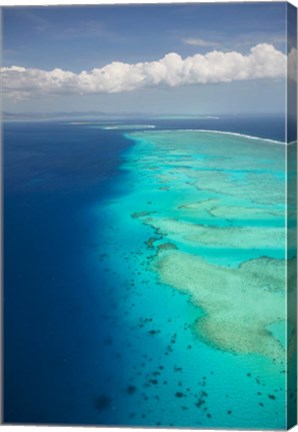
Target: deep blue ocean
x: 60, y: 348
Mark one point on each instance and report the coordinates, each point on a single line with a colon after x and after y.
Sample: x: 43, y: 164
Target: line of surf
x: 243, y: 136
x: 217, y: 132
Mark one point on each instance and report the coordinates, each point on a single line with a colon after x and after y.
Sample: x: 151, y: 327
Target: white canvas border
x: 12, y: 3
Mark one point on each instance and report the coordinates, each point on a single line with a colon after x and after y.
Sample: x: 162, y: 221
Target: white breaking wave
x: 234, y: 134
x: 128, y: 127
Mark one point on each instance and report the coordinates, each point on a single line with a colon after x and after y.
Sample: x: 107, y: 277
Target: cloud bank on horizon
x: 262, y: 61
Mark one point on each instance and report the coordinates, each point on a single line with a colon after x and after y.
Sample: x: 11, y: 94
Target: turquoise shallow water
x: 196, y: 243
x: 137, y: 266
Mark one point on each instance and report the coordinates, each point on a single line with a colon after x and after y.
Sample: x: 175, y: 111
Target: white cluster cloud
x: 199, y: 42
x: 262, y: 61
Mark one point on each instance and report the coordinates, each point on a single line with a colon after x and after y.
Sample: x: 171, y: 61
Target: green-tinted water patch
x: 204, y: 245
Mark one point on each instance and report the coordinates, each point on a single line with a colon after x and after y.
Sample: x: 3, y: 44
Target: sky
x: 164, y: 59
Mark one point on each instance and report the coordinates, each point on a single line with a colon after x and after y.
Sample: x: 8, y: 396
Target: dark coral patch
x: 102, y: 402
x: 131, y: 389
x: 167, y: 246
x: 154, y: 332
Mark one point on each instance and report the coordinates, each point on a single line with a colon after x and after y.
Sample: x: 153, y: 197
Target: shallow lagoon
x: 206, y: 211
